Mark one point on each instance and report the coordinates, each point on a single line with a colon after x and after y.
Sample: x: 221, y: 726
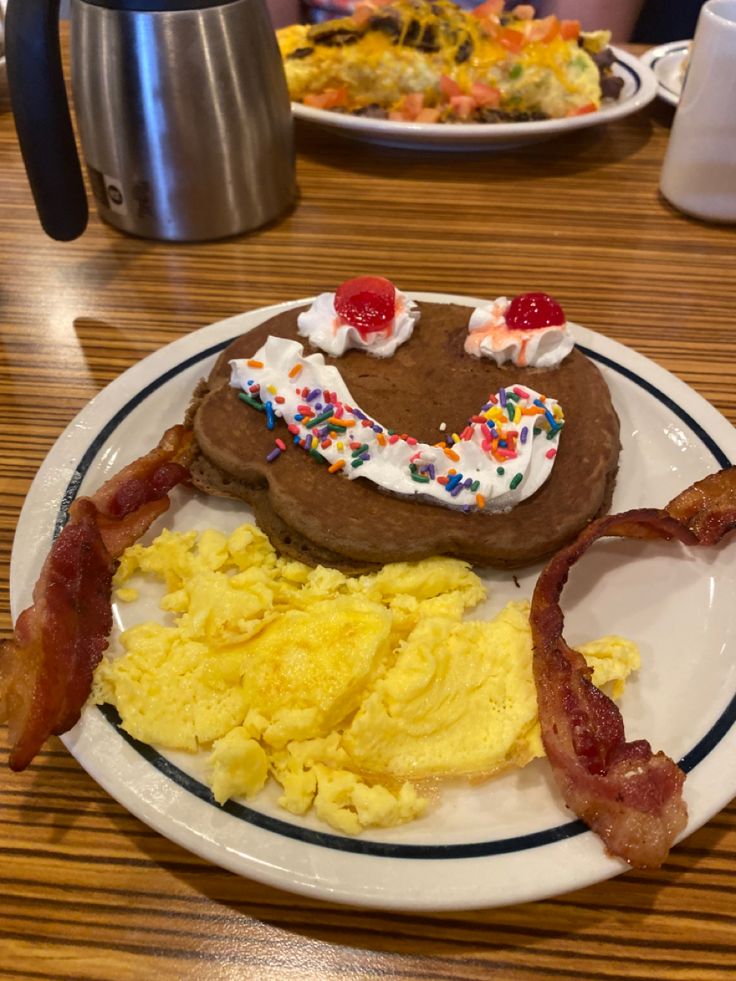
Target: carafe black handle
x: 42, y: 119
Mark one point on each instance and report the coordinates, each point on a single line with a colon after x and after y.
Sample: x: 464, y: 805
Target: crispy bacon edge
x: 46, y: 669
x: 630, y: 796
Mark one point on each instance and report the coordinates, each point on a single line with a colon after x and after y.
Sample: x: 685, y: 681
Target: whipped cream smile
x: 504, y: 453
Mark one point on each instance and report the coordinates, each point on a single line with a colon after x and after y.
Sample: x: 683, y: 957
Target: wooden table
x: 87, y: 890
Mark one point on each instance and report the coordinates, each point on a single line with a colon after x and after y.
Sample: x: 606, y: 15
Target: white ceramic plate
x: 511, y: 839
x: 666, y: 61
x: 640, y: 87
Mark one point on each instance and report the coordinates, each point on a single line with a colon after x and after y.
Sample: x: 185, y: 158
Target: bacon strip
x: 46, y: 669
x: 630, y: 796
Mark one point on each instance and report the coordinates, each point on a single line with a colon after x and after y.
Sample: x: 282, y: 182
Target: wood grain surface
x: 90, y: 892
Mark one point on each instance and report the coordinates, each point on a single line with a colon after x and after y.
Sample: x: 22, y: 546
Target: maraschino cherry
x: 530, y: 311
x: 367, y: 303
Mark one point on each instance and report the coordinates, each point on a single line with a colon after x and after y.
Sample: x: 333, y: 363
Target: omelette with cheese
x: 430, y: 61
x: 346, y: 691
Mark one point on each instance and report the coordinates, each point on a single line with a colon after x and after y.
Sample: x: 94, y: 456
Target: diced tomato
x: 428, y: 115
x: 583, y: 110
x: 569, y: 30
x: 363, y: 12
x: 412, y: 103
x: 485, y: 95
x: 329, y: 99
x: 511, y: 40
x: 543, y: 30
x: 337, y: 97
x: 449, y: 87
x: 488, y: 9
x: 490, y: 27
x: 463, y: 105
x: 523, y: 11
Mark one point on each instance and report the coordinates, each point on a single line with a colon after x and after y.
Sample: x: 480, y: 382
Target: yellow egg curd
x: 347, y: 691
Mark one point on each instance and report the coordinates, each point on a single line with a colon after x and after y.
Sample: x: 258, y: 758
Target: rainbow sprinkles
x: 502, y: 455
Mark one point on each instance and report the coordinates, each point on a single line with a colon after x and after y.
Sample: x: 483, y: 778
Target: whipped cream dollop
x: 322, y: 326
x: 499, y: 457
x: 538, y: 347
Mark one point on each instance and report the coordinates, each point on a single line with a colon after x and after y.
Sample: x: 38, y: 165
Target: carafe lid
x: 157, y: 6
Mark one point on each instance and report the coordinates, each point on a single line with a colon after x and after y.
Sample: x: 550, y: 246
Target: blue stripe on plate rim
x: 681, y: 49
x: 325, y: 839
x: 622, y: 66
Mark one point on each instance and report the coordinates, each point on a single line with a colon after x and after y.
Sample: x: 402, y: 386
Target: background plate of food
x: 481, y: 843
x: 639, y: 89
x: 418, y: 74
x: 668, y: 62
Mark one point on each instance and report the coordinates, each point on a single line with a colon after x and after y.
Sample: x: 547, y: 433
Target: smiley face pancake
x: 320, y: 466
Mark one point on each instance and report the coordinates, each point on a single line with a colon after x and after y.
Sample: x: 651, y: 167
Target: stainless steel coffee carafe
x: 182, y: 112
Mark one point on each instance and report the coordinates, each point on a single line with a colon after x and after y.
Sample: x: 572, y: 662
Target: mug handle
x: 42, y: 119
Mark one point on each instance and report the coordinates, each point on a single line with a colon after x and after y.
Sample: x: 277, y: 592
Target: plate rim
x: 652, y: 56
x: 74, y: 740
x: 444, y: 135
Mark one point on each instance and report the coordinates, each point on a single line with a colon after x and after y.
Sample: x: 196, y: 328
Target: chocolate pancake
x: 324, y: 518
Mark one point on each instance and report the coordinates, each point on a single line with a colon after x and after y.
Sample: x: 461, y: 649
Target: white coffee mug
x: 699, y: 171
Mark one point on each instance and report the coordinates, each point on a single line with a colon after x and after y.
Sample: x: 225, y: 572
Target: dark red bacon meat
x: 629, y: 795
x: 46, y: 669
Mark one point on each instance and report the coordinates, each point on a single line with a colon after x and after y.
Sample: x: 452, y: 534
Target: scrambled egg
x: 347, y: 691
